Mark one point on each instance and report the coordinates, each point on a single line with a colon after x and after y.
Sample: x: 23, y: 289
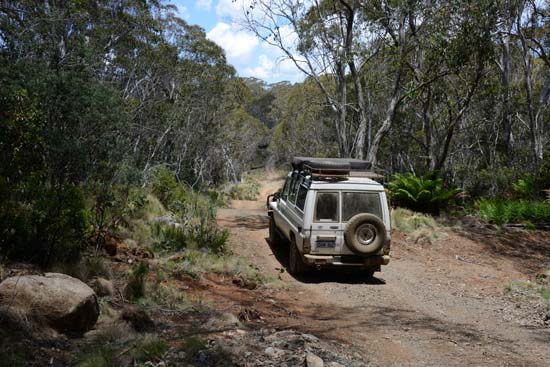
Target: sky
x: 248, y: 54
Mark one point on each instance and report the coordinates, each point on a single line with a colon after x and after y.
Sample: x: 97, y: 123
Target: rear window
x: 326, y: 207
x: 360, y: 202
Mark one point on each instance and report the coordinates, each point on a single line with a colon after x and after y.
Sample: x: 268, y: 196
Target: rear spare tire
x: 365, y: 234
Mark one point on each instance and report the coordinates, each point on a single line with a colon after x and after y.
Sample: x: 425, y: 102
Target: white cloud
x: 183, y: 13
x: 204, y: 4
x: 264, y: 70
x: 232, y: 9
x: 238, y: 44
x: 271, y: 68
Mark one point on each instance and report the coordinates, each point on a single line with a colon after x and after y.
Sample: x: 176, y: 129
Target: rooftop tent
x: 333, y: 167
x: 343, y: 165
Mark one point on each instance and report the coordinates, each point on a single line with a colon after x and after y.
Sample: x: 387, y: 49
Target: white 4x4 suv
x: 332, y: 214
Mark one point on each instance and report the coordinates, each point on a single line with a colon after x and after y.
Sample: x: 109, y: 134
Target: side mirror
x: 272, y: 197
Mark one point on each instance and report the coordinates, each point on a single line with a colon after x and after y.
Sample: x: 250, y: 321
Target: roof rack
x: 334, y: 168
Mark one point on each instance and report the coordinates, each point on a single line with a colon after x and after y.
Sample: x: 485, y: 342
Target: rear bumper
x: 332, y: 260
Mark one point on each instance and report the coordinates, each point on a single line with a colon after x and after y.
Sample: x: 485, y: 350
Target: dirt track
x: 433, y: 305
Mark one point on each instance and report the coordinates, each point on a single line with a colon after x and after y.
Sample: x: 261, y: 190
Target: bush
x: 422, y: 194
x: 502, y: 211
x: 135, y: 288
x: 164, y: 185
x: 524, y: 188
x: 202, y: 236
x: 42, y: 224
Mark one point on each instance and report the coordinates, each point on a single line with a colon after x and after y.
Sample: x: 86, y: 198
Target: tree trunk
x: 526, y: 59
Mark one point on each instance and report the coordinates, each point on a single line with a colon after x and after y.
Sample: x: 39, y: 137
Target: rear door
x: 356, y: 202
x: 327, y: 235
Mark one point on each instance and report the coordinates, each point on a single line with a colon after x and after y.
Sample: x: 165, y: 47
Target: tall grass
x: 418, y: 227
x: 502, y: 211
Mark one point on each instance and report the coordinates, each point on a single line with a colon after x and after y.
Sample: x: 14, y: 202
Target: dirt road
x: 437, y: 304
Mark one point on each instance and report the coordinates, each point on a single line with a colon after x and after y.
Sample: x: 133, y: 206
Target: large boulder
x: 53, y: 300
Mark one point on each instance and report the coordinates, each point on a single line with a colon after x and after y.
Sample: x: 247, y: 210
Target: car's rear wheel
x: 296, y: 264
x: 365, y: 234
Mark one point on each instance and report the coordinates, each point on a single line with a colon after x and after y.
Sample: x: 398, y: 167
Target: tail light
x: 387, y: 247
x: 307, y: 245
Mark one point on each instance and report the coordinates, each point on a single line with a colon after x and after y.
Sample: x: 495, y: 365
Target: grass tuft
x: 419, y: 227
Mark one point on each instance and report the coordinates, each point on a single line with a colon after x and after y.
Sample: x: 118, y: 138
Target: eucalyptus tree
x: 320, y: 38
x: 531, y: 29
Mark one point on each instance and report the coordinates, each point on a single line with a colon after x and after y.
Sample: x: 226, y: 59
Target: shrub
x: 524, y: 188
x: 42, y: 223
x: 422, y: 194
x: 202, y: 236
x: 164, y: 184
x: 135, y: 288
x: 502, y: 211
x: 148, y: 348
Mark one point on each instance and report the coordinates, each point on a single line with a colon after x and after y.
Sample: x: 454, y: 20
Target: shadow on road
x: 251, y: 222
x: 327, y: 275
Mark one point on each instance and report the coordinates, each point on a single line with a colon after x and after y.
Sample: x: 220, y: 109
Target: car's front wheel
x: 274, y: 238
x: 296, y: 264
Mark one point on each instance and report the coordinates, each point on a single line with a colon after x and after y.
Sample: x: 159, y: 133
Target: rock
x: 313, y: 361
x: 274, y: 352
x: 142, y: 252
x: 102, y: 287
x: 137, y: 318
x: 177, y: 257
x: 245, y: 283
x: 334, y: 364
x: 310, y: 338
x: 58, y: 301
x: 222, y: 322
x: 166, y: 219
x: 111, y: 245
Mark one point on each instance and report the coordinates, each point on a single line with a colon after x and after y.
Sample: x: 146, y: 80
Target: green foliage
x: 148, y: 348
x: 102, y: 356
x: 199, y: 236
x: 164, y: 185
x: 135, y: 286
x: 191, y: 347
x: 41, y: 223
x: 423, y: 194
x: 248, y: 190
x: 502, y: 211
x: 524, y: 188
x: 545, y: 293
x: 13, y: 351
x: 117, y: 346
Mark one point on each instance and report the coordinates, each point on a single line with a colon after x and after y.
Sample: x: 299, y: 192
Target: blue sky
x: 249, y: 55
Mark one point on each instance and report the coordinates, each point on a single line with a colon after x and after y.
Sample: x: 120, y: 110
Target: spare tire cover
x: 365, y: 234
